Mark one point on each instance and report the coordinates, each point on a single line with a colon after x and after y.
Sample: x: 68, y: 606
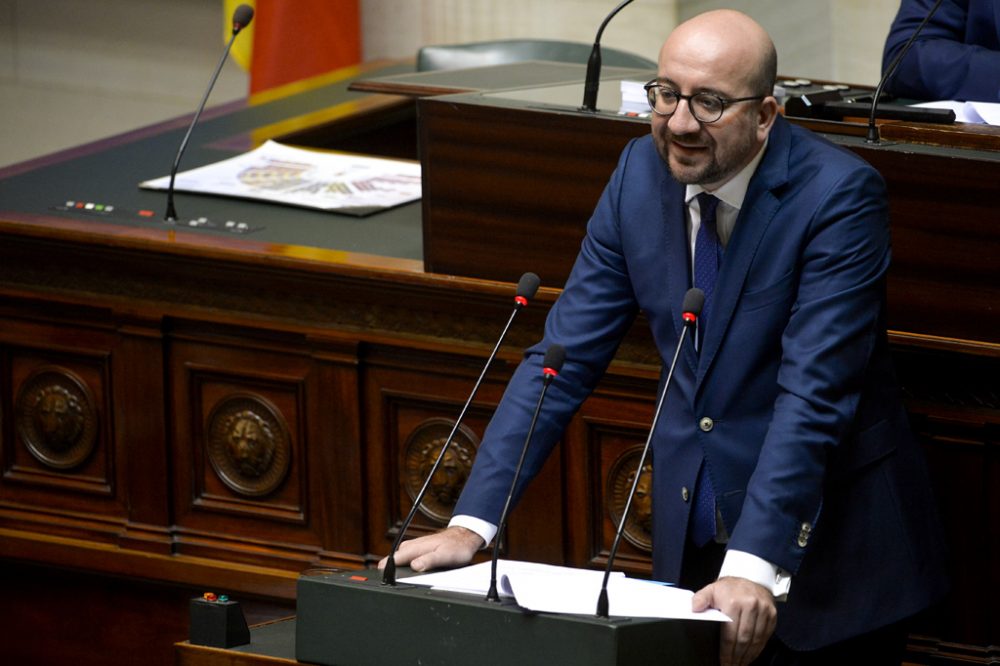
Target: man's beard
x: 716, y: 169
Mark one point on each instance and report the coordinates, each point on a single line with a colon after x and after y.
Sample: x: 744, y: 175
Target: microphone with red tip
x: 242, y: 16
x: 555, y: 355
x: 527, y: 286
x: 694, y: 300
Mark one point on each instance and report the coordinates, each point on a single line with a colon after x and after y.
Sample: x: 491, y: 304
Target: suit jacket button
x: 706, y: 424
x: 685, y: 493
x: 804, y: 532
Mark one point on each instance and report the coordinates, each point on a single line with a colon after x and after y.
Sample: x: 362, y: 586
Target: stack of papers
x: 634, y: 102
x: 340, y: 182
x: 980, y: 113
x: 553, y: 589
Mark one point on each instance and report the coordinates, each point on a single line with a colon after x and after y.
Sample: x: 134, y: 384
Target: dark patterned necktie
x: 707, y: 254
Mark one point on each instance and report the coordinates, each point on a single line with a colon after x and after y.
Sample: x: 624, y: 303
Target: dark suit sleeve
x: 955, y: 57
x: 826, y: 349
x: 589, y: 319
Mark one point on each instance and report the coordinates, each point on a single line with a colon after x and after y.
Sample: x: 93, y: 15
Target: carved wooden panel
x: 437, y: 439
x: 348, y: 415
x: 413, y: 400
x: 954, y: 404
x: 601, y: 455
x: 624, y: 492
x: 57, y: 419
x: 58, y: 434
x: 411, y: 412
x: 252, y: 480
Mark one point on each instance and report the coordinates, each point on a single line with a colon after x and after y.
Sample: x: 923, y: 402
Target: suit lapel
x: 759, y: 208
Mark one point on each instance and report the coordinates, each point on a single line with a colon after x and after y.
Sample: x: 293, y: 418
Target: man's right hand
x: 451, y: 547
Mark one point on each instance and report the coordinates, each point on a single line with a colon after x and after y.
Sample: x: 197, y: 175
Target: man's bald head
x: 732, y: 44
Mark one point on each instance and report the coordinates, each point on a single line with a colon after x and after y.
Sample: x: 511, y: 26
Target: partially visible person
x: 956, y: 56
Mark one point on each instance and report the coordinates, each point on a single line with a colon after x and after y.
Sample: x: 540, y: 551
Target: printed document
x: 339, y: 182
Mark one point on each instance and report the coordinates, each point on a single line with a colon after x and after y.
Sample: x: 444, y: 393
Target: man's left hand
x: 753, y: 613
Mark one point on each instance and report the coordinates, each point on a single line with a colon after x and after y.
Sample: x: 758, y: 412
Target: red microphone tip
x: 521, y: 300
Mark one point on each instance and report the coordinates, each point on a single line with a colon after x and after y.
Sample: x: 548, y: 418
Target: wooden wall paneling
x: 138, y: 401
x: 536, y: 529
x: 413, y: 400
x: 963, y: 459
x: 601, y: 455
x: 945, y: 276
x: 526, y: 180
x: 53, y: 616
x: 387, y: 130
x: 954, y: 402
x: 411, y: 403
x: 63, y: 464
x: 616, y: 447
x: 59, y: 617
x: 335, y: 474
x: 243, y: 445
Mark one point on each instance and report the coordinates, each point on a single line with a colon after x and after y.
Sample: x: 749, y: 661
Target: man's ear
x: 766, y: 114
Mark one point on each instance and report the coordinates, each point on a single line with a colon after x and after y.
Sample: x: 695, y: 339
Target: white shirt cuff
x: 484, y: 529
x: 744, y: 565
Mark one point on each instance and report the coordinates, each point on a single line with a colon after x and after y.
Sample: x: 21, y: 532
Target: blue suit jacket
x: 957, y: 56
x: 794, y: 371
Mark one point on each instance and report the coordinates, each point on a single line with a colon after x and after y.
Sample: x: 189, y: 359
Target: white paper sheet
x: 552, y: 589
x: 353, y: 184
x: 980, y: 113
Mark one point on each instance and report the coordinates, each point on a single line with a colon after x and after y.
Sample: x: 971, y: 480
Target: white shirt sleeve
x: 484, y: 529
x: 736, y: 563
x: 744, y: 565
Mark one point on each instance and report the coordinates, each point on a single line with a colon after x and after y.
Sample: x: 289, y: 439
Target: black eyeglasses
x: 705, y: 107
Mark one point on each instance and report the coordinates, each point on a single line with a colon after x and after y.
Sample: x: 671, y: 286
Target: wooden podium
x: 352, y: 618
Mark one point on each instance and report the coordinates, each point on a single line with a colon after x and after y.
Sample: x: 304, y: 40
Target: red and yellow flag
x: 290, y: 40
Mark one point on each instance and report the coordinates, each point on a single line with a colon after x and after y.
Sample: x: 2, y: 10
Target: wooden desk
x: 270, y: 644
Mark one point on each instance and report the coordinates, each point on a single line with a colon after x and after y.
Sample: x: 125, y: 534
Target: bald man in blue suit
x: 823, y: 539
x: 957, y: 56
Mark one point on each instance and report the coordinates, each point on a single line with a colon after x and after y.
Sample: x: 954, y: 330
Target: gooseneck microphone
x: 694, y: 299
x: 593, y: 80
x: 527, y: 286
x: 242, y: 16
x: 555, y: 355
x: 873, y: 135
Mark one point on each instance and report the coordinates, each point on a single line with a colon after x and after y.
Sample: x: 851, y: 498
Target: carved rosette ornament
x: 248, y: 444
x: 56, y: 418
x: 422, y: 448
x: 639, y: 526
